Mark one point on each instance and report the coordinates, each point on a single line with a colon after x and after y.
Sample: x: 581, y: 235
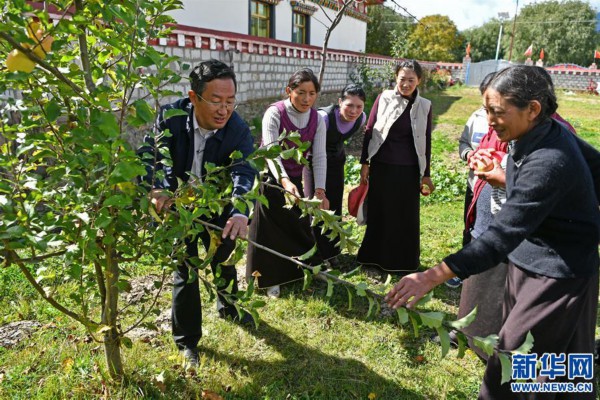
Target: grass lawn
x: 306, y: 347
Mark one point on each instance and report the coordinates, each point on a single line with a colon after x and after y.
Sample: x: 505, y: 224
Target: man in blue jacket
x: 207, y: 131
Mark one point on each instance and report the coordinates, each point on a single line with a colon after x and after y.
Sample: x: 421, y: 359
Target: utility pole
x: 512, y: 39
x: 501, y: 16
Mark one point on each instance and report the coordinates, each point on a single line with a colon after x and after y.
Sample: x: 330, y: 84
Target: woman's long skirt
x: 486, y: 292
x: 391, y: 240
x: 280, y: 229
x: 561, y: 316
x: 334, y: 190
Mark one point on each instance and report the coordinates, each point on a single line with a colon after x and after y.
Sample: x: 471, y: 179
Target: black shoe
x: 454, y: 282
x: 230, y: 312
x: 190, y: 357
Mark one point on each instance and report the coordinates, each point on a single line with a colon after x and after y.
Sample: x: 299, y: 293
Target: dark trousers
x: 186, y: 309
x: 468, y: 200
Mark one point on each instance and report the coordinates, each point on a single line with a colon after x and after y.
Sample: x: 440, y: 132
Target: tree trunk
x: 112, y: 338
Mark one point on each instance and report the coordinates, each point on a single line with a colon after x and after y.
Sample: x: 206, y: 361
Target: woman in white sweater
x: 277, y: 227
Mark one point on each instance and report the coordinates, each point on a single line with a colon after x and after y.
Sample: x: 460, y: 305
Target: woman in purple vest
x: 277, y: 227
x: 342, y: 121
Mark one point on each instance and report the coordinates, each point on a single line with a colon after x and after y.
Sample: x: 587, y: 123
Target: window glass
x: 260, y: 19
x: 299, y: 28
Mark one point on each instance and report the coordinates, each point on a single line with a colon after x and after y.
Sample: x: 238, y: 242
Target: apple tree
x: 74, y: 221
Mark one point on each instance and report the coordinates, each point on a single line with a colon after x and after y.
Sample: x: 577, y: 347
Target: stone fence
x: 263, y: 66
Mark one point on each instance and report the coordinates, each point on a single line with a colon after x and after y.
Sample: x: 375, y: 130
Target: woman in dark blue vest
x: 342, y: 121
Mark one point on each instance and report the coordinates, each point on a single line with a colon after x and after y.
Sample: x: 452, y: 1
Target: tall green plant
x: 72, y: 215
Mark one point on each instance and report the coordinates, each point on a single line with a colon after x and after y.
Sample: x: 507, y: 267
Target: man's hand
x: 160, y: 199
x: 364, y: 174
x: 236, y: 226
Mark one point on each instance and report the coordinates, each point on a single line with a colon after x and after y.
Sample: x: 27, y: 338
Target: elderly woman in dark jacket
x: 549, y: 229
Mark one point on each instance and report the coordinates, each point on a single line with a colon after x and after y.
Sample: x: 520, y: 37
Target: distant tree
x: 385, y: 28
x: 435, y: 38
x: 484, y: 40
x: 565, y: 30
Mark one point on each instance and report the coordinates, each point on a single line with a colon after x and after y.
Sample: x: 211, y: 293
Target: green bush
x: 450, y: 182
x: 352, y: 171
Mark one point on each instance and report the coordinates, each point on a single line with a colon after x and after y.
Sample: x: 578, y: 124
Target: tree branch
x: 84, y: 54
x: 324, y: 276
x: 13, y: 258
x: 53, y: 70
x: 42, y: 257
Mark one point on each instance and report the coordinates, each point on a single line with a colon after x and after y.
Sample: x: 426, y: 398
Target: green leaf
x: 361, y: 289
x: 173, y: 112
x: 142, y: 61
x: 118, y: 200
x: 287, y: 154
x: 308, y: 254
x: 432, y: 319
x: 464, y: 321
x: 462, y: 344
x: 350, y: 298
x: 254, y: 316
x: 124, y: 285
x: 106, y: 122
x: 371, y: 305
x: 52, y: 110
x: 125, y: 171
x: 444, y: 339
x: 506, y: 364
x: 424, y: 300
x: 126, y: 342
x: 402, y: 315
x: 258, y: 304
x: 144, y: 111
x: 329, y: 288
x: 236, y: 155
x: 388, y: 279
x: 486, y: 344
x: 307, y: 279
x: 415, y: 323
x: 526, y: 346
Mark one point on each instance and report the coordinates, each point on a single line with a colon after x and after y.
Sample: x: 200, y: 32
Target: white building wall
x: 350, y: 34
x: 233, y: 16
x: 221, y: 15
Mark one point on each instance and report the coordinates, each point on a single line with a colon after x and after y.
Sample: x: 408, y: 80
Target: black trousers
x: 186, y: 308
x: 468, y: 200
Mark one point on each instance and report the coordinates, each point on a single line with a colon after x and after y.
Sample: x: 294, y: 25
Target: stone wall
x: 574, y: 80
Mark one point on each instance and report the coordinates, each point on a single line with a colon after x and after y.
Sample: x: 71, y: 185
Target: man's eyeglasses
x: 229, y: 106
